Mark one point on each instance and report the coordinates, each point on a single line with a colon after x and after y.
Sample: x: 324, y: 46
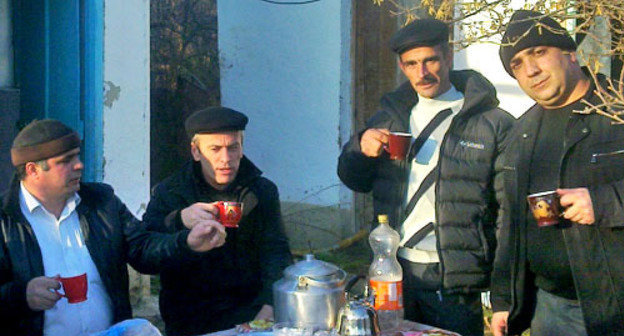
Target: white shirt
x: 425, y: 160
x: 64, y: 253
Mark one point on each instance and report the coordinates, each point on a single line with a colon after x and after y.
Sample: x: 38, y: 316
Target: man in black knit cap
x: 231, y: 283
x: 565, y: 279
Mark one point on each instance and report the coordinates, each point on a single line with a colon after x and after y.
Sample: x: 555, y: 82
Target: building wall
x: 484, y: 58
x: 288, y: 68
x: 126, y: 101
x: 9, y: 96
x: 6, y: 47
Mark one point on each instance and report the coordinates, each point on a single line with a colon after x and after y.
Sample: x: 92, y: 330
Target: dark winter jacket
x: 227, y: 285
x: 593, y: 158
x: 107, y: 226
x: 465, y: 204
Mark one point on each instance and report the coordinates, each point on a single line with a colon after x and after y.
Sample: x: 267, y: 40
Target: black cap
x: 527, y: 29
x: 215, y: 120
x: 43, y: 139
x: 419, y: 33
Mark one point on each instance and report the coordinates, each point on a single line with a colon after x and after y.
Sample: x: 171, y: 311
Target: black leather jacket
x: 107, y: 226
x: 593, y: 158
x: 227, y: 285
x: 465, y: 204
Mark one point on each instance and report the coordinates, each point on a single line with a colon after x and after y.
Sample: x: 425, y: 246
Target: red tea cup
x: 74, y: 288
x: 230, y: 213
x: 398, y: 145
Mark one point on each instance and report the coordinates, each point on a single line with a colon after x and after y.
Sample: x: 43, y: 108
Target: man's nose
x: 225, y: 155
x: 78, y: 165
x: 422, y: 70
x: 531, y: 68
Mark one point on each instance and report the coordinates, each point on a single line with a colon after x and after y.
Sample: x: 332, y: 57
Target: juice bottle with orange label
x: 385, y: 275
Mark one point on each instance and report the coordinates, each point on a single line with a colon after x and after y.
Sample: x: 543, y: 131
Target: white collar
x: 33, y: 203
x: 450, y: 95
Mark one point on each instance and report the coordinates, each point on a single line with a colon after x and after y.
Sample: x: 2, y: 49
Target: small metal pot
x: 358, y: 318
x: 310, y: 293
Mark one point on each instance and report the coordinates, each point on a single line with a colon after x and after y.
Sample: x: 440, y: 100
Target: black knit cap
x: 43, y: 139
x: 419, y: 33
x: 214, y: 120
x: 527, y: 29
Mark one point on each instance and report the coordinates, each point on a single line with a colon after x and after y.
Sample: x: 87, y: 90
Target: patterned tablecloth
x: 408, y: 328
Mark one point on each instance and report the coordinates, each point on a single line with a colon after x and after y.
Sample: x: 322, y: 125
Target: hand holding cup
x: 40, y: 295
x: 579, y: 206
x: 373, y: 141
x: 197, y: 213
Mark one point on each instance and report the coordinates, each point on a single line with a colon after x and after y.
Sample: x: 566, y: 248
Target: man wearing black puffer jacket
x: 441, y: 197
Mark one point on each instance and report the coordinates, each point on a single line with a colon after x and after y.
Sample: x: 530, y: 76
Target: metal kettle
x: 358, y: 317
x: 310, y: 293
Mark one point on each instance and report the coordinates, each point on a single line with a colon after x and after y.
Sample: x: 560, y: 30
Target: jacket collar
x: 479, y: 95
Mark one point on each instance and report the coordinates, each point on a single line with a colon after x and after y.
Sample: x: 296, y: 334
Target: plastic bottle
x: 386, y: 276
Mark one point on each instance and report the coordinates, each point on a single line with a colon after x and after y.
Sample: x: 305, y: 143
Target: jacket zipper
x: 596, y: 156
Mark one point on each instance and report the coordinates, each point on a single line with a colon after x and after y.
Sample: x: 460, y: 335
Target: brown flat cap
x: 42, y: 139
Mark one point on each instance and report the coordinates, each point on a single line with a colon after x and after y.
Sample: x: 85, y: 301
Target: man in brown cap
x: 52, y: 224
x: 230, y: 284
x: 565, y: 279
x: 440, y: 198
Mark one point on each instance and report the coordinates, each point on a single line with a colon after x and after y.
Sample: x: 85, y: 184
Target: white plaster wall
x: 6, y: 44
x: 283, y: 65
x: 126, y: 101
x: 484, y: 58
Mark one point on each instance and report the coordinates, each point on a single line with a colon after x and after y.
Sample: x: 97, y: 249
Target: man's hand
x: 197, y: 213
x: 39, y: 295
x: 373, y: 141
x: 578, y: 204
x: 265, y: 313
x: 499, y: 323
x: 206, y: 235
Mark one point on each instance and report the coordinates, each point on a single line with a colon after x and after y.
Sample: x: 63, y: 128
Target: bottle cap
x: 382, y: 219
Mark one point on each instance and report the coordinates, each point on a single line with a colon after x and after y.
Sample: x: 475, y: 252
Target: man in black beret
x: 53, y: 225
x: 231, y: 283
x: 565, y: 279
x: 440, y: 198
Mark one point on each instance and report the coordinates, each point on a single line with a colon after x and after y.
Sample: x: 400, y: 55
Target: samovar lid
x: 315, y: 269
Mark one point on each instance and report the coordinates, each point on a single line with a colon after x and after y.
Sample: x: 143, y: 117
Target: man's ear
x: 31, y: 169
x: 401, y: 66
x: 573, y: 57
x: 195, y: 152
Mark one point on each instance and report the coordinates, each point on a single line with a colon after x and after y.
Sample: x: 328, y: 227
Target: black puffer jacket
x: 227, y: 285
x: 465, y: 204
x: 593, y: 157
x: 108, y: 228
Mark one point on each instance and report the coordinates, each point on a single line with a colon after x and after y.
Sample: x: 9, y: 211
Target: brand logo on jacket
x: 471, y: 144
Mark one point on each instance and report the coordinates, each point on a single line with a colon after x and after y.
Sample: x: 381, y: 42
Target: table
x: 406, y: 326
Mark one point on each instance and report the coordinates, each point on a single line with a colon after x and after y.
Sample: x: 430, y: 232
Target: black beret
x: 215, y: 120
x: 523, y: 32
x: 419, y: 33
x: 43, y: 139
